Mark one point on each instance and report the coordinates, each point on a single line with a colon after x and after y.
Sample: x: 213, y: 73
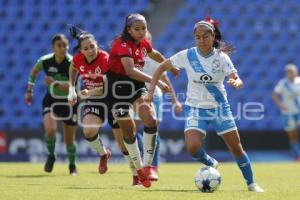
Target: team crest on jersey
x: 98, y: 71
x: 81, y: 68
x: 52, y: 69
x: 123, y: 44
x: 215, y: 66
x: 144, y: 52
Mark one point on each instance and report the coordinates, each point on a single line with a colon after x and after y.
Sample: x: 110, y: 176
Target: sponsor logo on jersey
x: 205, y: 79
x: 52, y: 69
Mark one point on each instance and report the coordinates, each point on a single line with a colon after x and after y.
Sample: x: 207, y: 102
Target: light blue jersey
x: 206, y: 101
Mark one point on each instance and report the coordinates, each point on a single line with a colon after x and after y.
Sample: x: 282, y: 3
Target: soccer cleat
x: 136, y: 181
x: 215, y: 163
x: 49, y: 163
x: 154, y: 173
x: 143, y: 175
x: 73, y: 170
x: 254, y: 188
x: 102, y: 168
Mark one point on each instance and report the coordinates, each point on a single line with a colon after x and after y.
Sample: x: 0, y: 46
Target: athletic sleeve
x: 180, y: 59
x: 228, y: 67
x: 39, y: 64
x: 279, y: 87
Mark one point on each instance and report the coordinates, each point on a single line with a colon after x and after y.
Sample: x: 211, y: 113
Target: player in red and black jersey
x: 90, y: 63
x: 126, y: 90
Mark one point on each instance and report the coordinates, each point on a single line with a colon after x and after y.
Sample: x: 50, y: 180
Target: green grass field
x: 28, y: 181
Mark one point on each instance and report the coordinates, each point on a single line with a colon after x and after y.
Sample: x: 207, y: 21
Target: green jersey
x: 59, y: 72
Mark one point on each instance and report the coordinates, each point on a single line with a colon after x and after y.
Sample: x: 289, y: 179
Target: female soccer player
x: 126, y: 88
x: 286, y: 96
x: 149, y: 68
x: 91, y: 64
x: 55, y: 103
x: 206, y: 66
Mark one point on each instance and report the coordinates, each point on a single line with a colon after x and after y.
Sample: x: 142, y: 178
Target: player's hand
x: 163, y: 86
x: 72, y: 96
x: 48, y: 80
x: 175, y: 71
x: 84, y: 94
x: 28, y: 98
x: 236, y: 83
x: 178, y: 106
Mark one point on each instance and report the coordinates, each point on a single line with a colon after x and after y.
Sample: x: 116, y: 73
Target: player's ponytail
x: 80, y: 35
x: 218, y: 43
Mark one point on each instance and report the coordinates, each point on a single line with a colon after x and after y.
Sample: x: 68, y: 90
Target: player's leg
x: 50, y: 126
x: 158, y: 106
x: 69, y: 138
x: 194, y: 140
x: 126, y: 123
x: 91, y: 125
x: 233, y: 142
x: 290, y: 126
x: 195, y: 131
x: 147, y: 114
x: 120, y: 141
x: 294, y: 143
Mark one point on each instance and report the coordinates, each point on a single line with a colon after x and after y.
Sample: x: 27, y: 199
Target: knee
x: 89, y: 132
x: 150, y: 121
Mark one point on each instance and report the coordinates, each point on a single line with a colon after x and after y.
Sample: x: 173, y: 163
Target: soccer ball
x: 207, y: 179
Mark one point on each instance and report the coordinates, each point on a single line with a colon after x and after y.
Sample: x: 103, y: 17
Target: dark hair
x: 80, y: 35
x: 125, y: 35
x: 221, y: 45
x: 213, y: 27
x: 57, y: 37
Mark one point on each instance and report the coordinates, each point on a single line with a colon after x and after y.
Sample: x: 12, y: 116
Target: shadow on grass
x: 31, y: 176
x: 93, y: 188
x: 171, y: 190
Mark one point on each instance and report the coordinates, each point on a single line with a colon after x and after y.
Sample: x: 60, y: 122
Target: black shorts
x: 61, y: 109
x: 122, y: 92
x: 99, y: 108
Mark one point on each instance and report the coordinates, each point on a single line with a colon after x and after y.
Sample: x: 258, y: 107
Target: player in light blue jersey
x: 287, y: 97
x: 207, y: 65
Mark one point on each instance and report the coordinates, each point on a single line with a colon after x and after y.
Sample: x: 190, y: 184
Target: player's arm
x: 61, y: 85
x: 86, y: 93
x: 158, y: 57
x: 72, y: 96
x: 176, y: 103
x: 277, y: 99
x: 136, y: 74
x: 165, y: 66
x: 235, y: 81
x: 31, y: 81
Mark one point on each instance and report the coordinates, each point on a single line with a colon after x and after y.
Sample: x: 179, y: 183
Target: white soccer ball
x: 207, y: 179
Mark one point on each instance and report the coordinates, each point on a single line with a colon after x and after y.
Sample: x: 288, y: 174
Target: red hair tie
x: 211, y: 21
